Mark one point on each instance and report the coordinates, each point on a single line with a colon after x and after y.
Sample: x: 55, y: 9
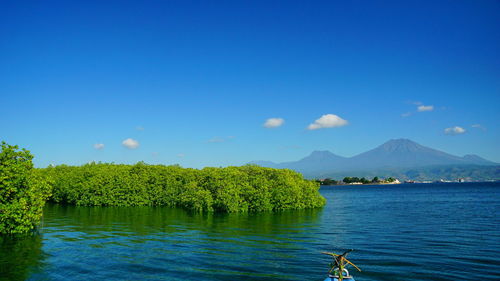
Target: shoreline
x: 416, y: 183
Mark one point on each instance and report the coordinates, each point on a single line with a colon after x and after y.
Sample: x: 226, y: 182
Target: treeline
x: 24, y: 189
x: 232, y: 189
x: 351, y: 180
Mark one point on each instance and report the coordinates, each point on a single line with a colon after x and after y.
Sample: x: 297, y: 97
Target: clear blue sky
x: 193, y: 82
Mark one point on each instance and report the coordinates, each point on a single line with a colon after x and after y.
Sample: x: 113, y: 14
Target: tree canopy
x: 23, y: 191
x: 231, y: 189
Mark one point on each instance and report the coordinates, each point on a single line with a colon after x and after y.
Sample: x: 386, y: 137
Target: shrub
x: 23, y: 191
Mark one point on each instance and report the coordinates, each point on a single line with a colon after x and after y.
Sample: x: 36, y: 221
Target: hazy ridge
x: 403, y: 158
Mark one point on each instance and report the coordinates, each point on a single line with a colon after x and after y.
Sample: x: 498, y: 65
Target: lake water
x: 398, y: 232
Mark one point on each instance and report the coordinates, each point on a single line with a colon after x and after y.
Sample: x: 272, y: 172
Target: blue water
x: 398, y: 232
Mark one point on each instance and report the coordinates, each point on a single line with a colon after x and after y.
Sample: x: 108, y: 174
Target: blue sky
x: 193, y: 82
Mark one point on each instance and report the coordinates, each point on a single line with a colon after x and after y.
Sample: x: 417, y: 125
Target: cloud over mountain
x: 454, y: 130
x: 422, y: 108
x: 274, y: 122
x: 327, y: 121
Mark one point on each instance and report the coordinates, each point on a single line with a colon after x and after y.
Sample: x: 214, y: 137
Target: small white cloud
x: 327, y: 121
x: 99, y: 146
x: 422, y: 108
x: 454, y: 130
x: 406, y: 114
x: 130, y: 143
x: 478, y: 126
x: 274, y: 122
x: 139, y: 128
x: 181, y: 155
x: 417, y: 103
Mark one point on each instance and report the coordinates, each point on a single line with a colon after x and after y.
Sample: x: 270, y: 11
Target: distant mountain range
x: 400, y: 157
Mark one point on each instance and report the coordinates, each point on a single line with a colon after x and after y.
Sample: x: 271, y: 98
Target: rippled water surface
x: 404, y: 232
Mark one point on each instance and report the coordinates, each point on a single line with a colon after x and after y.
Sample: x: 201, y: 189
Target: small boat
x: 335, y: 276
x: 338, y: 270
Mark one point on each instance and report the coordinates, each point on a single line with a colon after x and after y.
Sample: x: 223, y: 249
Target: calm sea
x: 398, y: 232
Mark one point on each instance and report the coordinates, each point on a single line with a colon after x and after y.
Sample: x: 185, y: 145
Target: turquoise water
x: 400, y: 232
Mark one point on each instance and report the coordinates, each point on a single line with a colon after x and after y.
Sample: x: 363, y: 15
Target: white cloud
x: 327, y: 121
x: 139, y: 128
x: 181, y: 155
x: 422, y: 108
x: 454, y: 130
x: 99, y: 146
x: 130, y: 143
x: 274, y: 122
x: 406, y: 114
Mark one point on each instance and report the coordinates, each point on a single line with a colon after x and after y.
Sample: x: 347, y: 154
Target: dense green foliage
x: 328, y: 181
x: 23, y: 191
x: 390, y: 179
x: 355, y: 180
x: 232, y: 189
x: 352, y: 180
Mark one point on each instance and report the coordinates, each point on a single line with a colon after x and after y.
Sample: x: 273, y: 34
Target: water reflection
x: 394, y: 231
x: 144, y: 242
x: 147, y: 220
x: 20, y: 256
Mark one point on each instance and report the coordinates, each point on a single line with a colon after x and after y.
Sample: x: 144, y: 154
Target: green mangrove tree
x: 231, y: 189
x: 23, y: 191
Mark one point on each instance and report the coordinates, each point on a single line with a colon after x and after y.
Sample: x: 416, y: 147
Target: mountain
x: 474, y: 159
x: 263, y: 163
x: 398, y: 154
x: 316, y: 161
x: 406, y: 153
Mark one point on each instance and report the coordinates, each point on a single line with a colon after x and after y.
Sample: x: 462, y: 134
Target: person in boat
x: 338, y: 270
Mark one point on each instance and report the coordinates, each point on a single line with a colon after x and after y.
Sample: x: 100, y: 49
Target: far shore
x: 412, y: 182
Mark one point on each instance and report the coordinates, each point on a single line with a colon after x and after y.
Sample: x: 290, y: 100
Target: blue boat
x: 338, y: 271
x: 335, y: 276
